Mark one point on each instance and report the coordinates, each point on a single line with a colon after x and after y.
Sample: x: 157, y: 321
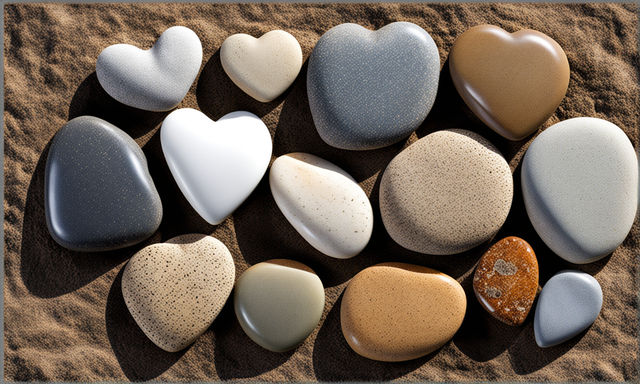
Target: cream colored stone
x: 323, y: 203
x: 265, y: 67
x: 175, y: 290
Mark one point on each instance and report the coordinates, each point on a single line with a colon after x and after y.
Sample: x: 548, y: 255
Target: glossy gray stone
x: 99, y: 194
x: 370, y: 89
x: 568, y: 304
x: 156, y: 79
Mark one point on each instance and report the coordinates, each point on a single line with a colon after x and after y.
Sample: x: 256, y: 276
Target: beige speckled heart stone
x: 265, y: 67
x: 446, y: 193
x: 175, y: 290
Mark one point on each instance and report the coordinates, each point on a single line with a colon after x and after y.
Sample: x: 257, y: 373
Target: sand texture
x: 65, y: 318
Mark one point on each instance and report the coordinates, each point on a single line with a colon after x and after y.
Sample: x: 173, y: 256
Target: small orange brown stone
x: 506, y: 280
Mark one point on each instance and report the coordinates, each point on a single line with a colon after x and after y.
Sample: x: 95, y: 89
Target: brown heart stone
x: 512, y: 81
x: 506, y: 280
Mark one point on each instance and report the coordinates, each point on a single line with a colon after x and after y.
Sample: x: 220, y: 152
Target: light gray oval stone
x: 99, y: 194
x: 279, y: 303
x: 156, y: 79
x: 580, y: 187
x: 568, y: 304
x: 370, y: 89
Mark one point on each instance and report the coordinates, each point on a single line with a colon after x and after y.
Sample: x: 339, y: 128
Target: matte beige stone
x: 265, y: 67
x: 398, y: 312
x: 512, y: 81
x: 446, y: 193
x: 279, y: 303
x: 176, y: 289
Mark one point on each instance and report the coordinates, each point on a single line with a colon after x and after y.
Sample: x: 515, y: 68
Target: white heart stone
x: 580, y: 187
x: 265, y: 67
x: 156, y: 79
x: 216, y: 164
x: 323, y: 203
x: 568, y: 304
x: 175, y: 290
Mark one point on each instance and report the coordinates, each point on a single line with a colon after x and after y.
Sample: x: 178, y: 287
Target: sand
x: 65, y: 317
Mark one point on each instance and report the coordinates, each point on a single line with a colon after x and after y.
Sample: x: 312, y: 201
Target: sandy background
x: 65, y: 318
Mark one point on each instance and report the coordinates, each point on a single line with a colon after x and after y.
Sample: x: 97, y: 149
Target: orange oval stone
x: 506, y: 280
x: 398, y: 312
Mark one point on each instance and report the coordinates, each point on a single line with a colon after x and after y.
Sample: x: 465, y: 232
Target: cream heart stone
x: 175, y: 290
x: 265, y: 67
x: 323, y: 203
x: 216, y: 164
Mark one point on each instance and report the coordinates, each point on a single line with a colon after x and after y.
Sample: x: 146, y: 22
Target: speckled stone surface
x: 506, y: 280
x: 512, y: 81
x: 174, y: 290
x: 580, y: 187
x: 568, y: 304
x: 369, y: 89
x: 156, y: 79
x: 279, y: 303
x: 99, y: 194
x: 446, y: 193
x: 323, y: 203
x: 265, y: 67
x: 381, y: 324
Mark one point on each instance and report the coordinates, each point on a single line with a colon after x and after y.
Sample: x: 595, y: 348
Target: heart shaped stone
x: 568, y: 304
x: 512, y: 81
x: 506, y: 280
x: 265, y: 67
x: 323, y: 203
x: 216, y: 164
x: 580, y: 187
x: 446, y: 193
x: 156, y: 79
x: 279, y: 303
x: 369, y: 89
x: 99, y: 194
x: 176, y: 289
x: 398, y: 312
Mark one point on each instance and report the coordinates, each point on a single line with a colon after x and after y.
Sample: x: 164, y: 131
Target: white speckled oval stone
x: 265, y: 67
x: 446, y: 193
x: 155, y: 79
x: 279, y: 303
x: 175, y: 290
x: 580, y: 187
x: 323, y: 203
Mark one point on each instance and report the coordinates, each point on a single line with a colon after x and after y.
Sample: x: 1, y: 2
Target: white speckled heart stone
x: 175, y: 290
x: 156, y: 79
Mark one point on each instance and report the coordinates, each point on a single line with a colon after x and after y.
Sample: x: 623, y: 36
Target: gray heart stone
x: 156, y: 79
x: 99, y: 194
x: 370, y: 89
x: 568, y: 304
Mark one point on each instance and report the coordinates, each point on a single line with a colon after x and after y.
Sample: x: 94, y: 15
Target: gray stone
x: 99, y: 194
x: 568, y: 304
x: 370, y: 89
x: 156, y: 79
x: 580, y: 187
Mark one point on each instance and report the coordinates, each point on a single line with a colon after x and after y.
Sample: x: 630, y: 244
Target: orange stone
x: 506, y: 280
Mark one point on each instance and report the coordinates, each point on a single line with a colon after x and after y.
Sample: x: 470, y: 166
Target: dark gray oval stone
x: 369, y: 89
x: 99, y: 194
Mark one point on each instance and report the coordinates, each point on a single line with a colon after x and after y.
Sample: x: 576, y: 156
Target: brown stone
x: 506, y: 280
x: 398, y: 312
x: 512, y: 81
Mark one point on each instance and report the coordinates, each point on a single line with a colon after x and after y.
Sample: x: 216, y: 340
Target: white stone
x: 323, y: 203
x: 265, y: 67
x: 580, y: 187
x: 156, y: 79
x: 216, y: 164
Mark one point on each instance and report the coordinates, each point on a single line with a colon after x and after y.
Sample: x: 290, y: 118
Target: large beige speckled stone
x: 446, y: 193
x: 175, y: 290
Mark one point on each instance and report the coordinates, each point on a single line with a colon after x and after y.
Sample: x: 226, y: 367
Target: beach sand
x: 65, y: 318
